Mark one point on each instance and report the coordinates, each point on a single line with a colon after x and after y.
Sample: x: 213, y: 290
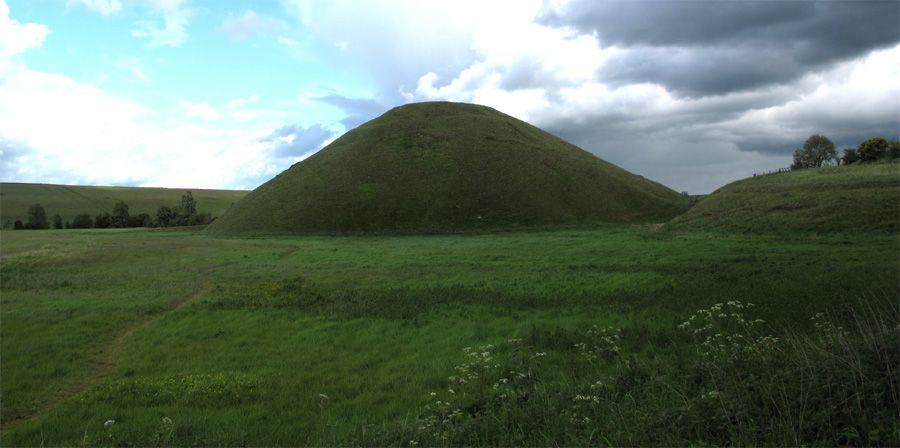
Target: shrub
x: 850, y: 156
x: 37, y: 217
x: 103, y: 221
x: 893, y: 151
x: 873, y: 149
x: 163, y: 216
x: 82, y: 221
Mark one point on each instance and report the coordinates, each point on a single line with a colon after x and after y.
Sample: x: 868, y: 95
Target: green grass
x: 379, y: 323
x: 69, y: 201
x: 445, y: 168
x: 861, y: 198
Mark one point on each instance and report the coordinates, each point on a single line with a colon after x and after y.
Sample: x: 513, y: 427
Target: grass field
x: 183, y: 339
x: 69, y: 201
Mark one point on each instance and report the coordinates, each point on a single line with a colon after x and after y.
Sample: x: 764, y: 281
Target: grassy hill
x: 69, y: 201
x: 438, y: 167
x: 859, y: 198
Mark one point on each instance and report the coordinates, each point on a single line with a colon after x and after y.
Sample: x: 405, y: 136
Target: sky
x: 227, y: 94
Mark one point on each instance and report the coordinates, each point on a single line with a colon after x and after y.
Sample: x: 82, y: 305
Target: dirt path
x: 106, y: 358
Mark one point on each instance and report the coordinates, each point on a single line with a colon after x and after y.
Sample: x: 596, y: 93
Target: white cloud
x: 104, y: 7
x: 15, y: 37
x: 54, y: 129
x: 288, y: 42
x: 200, y: 110
x: 50, y: 126
x: 250, y: 23
x: 55, y: 122
x: 301, y: 9
x: 393, y: 43
x: 132, y: 65
x: 175, y: 19
x: 521, y: 75
x: 241, y: 101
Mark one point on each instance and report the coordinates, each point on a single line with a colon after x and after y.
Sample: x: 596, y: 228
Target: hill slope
x: 439, y: 167
x: 69, y: 201
x: 861, y: 198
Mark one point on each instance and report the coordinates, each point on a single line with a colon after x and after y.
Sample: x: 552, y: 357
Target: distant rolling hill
x: 69, y: 201
x: 445, y: 167
x: 856, y: 198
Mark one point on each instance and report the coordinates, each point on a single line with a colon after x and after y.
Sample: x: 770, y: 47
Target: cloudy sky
x: 227, y: 94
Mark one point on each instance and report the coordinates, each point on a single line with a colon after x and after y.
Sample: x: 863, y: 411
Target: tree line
x: 818, y: 151
x: 184, y: 215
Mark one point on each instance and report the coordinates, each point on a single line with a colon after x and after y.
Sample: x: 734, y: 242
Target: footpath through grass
x: 450, y: 340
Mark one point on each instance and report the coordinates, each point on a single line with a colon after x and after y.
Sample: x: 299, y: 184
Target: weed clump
x: 736, y: 383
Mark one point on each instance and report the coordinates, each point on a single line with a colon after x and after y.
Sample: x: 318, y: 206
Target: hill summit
x: 446, y: 167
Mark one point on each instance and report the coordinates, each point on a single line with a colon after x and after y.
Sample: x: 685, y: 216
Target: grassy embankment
x: 856, y: 199
x: 69, y: 201
x: 379, y: 324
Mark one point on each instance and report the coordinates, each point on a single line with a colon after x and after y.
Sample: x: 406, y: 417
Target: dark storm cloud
x: 305, y: 140
x: 358, y: 111
x: 844, y: 133
x: 692, y: 72
x: 711, y: 48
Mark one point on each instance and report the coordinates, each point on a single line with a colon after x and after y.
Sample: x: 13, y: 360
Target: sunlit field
x: 620, y: 335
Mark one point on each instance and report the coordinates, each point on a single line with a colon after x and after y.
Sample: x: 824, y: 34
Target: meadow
x: 69, y: 201
x: 608, y: 335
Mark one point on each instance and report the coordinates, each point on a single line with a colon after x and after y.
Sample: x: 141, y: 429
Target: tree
x: 200, y: 219
x: 18, y: 225
x: 37, y: 217
x: 103, y: 221
x: 893, y: 151
x: 817, y: 151
x: 850, y: 156
x: 188, y: 205
x: 873, y: 149
x: 163, y: 216
x: 82, y: 221
x: 801, y: 160
x: 141, y: 220
x: 119, y: 215
x: 57, y: 222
